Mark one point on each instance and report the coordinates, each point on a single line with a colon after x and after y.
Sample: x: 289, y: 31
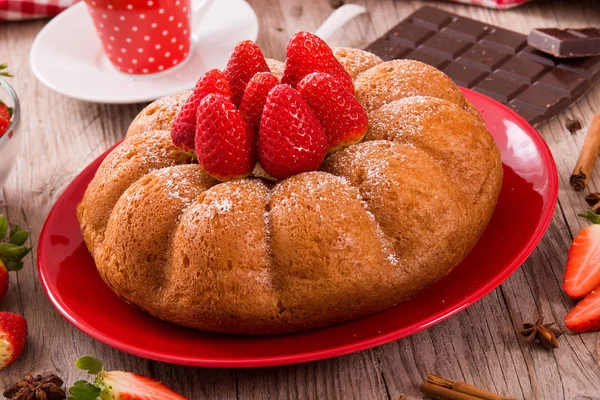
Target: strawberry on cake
x: 277, y: 197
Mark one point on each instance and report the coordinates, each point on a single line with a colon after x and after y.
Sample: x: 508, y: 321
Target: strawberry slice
x: 118, y: 385
x: 5, y: 117
x: 225, y: 144
x: 291, y: 139
x: 183, y: 130
x: 583, y: 266
x: 13, y: 334
x: 246, y: 61
x: 307, y: 53
x: 343, y: 118
x: 128, y: 386
x: 585, y: 316
x: 255, y: 97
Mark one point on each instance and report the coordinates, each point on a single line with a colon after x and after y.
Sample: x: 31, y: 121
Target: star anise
x: 47, y: 387
x: 544, y: 334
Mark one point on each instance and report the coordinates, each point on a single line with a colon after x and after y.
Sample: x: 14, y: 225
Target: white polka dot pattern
x: 143, y: 36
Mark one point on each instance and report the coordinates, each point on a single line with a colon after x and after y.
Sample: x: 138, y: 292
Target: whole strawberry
x: 5, y: 117
x: 183, y: 130
x: 11, y: 252
x: 118, y: 385
x: 291, y: 139
x: 255, y: 97
x: 307, y: 53
x: 343, y: 119
x: 225, y: 144
x: 13, y: 334
x: 245, y: 61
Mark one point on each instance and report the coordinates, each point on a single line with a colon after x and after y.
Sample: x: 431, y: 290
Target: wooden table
x: 481, y: 345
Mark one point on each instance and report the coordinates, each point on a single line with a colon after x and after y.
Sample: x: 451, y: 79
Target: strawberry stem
x: 590, y: 216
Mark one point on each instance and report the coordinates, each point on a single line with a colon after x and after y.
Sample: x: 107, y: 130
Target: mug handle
x: 199, y: 9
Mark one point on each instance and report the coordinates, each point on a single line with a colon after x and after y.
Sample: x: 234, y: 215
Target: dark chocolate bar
x: 491, y: 60
x: 566, y: 43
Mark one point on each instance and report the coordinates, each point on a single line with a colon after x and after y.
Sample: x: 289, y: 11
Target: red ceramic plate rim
x: 546, y: 217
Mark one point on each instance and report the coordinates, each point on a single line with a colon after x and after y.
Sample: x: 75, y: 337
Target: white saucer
x: 67, y: 56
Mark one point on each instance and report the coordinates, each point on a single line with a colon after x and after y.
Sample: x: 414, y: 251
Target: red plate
x: 525, y: 207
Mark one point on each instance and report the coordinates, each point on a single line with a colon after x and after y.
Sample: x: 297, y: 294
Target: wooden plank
x: 480, y: 345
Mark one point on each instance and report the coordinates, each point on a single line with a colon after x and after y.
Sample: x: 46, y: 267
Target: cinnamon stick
x: 587, y: 157
x: 446, y: 389
x: 443, y: 393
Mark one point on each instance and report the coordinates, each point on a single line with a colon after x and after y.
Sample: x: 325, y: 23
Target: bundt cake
x: 381, y: 219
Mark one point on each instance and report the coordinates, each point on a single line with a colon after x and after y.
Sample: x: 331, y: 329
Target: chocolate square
x: 505, y: 40
x: 585, y: 66
x: 427, y: 58
x: 468, y: 29
x: 387, y: 50
x: 538, y: 98
x: 526, y: 111
x: 483, y: 58
x: 499, y: 88
x: 463, y: 75
x: 537, y: 56
x: 431, y: 17
x: 522, y: 70
x: 561, y: 81
x: 445, y: 46
x: 408, y: 34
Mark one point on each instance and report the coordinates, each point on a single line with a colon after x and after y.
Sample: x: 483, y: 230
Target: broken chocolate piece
x: 566, y: 43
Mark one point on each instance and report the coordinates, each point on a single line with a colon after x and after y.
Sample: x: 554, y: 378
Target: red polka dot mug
x: 146, y: 36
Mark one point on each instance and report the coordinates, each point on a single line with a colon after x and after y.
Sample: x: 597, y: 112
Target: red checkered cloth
x: 499, y: 4
x: 31, y: 9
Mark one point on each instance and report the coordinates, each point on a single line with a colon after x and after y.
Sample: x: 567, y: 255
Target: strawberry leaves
x: 82, y: 390
x: 89, y: 364
x: 3, y: 72
x: 13, y: 251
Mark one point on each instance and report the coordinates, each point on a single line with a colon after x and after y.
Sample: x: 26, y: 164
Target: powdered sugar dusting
x: 393, y: 80
x: 405, y: 118
x: 355, y: 61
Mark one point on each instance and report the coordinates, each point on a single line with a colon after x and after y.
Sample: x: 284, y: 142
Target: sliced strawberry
x: 225, y: 144
x: 118, y: 385
x: 183, y: 130
x: 245, y: 61
x: 255, y: 97
x: 128, y: 386
x: 291, y: 139
x: 5, y: 118
x: 583, y: 265
x: 307, y: 53
x: 343, y: 118
x: 585, y: 316
x: 13, y: 334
